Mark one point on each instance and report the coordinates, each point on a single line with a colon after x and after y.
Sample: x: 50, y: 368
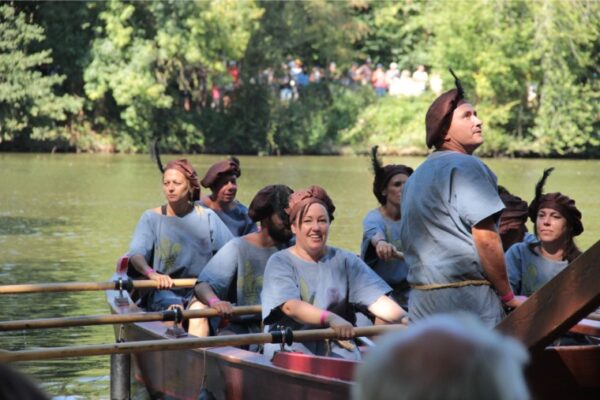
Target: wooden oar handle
x: 124, y: 284
x: 167, y: 315
x: 183, y: 344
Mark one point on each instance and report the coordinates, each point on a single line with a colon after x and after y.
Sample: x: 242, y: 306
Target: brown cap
x: 225, y: 167
x: 384, y: 174
x: 299, y: 201
x: 183, y: 166
x: 514, y: 214
x: 269, y: 200
x: 555, y: 201
x: 439, y: 114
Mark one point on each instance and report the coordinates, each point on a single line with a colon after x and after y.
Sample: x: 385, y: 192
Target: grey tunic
x: 177, y: 246
x: 442, y: 200
x: 393, y: 271
x: 337, y: 282
x: 528, y: 271
x: 236, y: 219
x: 235, y: 274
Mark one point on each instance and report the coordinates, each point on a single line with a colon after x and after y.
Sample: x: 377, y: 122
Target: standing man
x: 450, y: 210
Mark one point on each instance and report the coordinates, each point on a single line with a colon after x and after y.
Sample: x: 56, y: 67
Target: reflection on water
x: 69, y: 217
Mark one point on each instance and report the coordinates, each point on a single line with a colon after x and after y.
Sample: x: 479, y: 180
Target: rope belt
x: 433, y: 286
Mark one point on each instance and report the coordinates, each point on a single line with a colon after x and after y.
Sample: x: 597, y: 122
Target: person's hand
x: 342, y: 328
x: 223, y: 307
x: 515, y: 301
x: 385, y: 250
x: 164, y: 281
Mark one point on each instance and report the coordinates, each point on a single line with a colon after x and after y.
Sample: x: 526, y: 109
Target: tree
x: 29, y: 107
x: 566, y: 40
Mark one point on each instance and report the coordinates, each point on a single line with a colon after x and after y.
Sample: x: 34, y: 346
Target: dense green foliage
x: 111, y: 76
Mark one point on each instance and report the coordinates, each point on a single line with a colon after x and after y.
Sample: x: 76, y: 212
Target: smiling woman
x: 311, y: 284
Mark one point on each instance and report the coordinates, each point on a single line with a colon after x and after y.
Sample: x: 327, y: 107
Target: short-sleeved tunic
x: 393, y: 271
x: 337, y: 282
x: 177, y: 246
x: 442, y: 200
x: 236, y: 219
x: 235, y: 274
x: 528, y: 271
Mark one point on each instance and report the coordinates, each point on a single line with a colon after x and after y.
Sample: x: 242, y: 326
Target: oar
x: 106, y: 319
x: 124, y: 284
x: 287, y: 336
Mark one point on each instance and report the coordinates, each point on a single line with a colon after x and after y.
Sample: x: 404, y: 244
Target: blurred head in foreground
x: 449, y: 357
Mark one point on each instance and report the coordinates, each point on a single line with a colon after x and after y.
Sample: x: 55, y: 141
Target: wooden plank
x: 558, y: 305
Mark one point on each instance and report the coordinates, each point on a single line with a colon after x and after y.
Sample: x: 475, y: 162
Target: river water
x: 68, y: 217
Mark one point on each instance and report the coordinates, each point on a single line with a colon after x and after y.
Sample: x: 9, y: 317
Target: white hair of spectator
x: 449, y: 357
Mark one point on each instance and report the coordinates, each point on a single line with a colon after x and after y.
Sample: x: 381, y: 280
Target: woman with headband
x: 177, y: 239
x: 312, y: 285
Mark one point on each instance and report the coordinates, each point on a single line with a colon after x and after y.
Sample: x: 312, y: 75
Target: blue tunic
x: 337, y: 282
x: 528, y: 271
x: 236, y: 219
x: 442, y: 200
x: 393, y: 271
x: 177, y: 246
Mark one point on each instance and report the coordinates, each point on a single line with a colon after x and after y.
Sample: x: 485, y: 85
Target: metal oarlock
x: 121, y: 300
x: 176, y: 315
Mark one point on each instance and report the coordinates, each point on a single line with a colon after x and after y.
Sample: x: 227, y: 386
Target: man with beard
x: 235, y: 273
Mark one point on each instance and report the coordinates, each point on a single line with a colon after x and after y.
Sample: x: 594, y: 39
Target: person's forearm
x: 304, y: 313
x: 387, y: 309
x: 489, y: 247
x: 139, y: 263
x: 204, y: 293
x: 376, y: 238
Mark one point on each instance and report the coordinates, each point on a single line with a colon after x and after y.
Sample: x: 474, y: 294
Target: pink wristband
x: 324, y: 316
x: 507, y: 297
x: 148, y: 272
x: 213, y: 300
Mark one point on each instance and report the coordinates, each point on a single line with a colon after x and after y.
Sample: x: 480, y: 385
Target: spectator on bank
x: 379, y: 82
x: 449, y: 357
x: 364, y: 72
x: 435, y: 84
x: 420, y: 78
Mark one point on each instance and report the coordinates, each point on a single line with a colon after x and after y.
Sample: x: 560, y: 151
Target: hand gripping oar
x: 124, y: 284
x: 285, y: 336
x: 167, y: 315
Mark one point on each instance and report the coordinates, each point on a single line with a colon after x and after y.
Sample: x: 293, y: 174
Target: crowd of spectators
x: 294, y: 76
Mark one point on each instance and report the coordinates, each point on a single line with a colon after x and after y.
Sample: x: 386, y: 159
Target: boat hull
x: 233, y: 374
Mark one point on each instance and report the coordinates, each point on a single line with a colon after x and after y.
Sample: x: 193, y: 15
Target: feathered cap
x: 225, y: 167
x: 384, y: 174
x: 182, y: 165
x: 439, y: 115
x: 556, y: 201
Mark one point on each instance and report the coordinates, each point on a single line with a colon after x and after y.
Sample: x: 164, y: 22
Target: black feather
x: 154, y: 153
x: 459, y: 88
x: 539, y: 188
x: 235, y: 160
x: 376, y: 162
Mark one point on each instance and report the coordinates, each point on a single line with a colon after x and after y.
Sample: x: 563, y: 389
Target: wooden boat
x: 554, y: 372
x: 230, y: 373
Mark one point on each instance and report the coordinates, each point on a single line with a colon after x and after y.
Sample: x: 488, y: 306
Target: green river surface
x: 68, y: 217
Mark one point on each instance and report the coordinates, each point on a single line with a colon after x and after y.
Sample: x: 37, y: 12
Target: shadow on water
x: 27, y: 225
